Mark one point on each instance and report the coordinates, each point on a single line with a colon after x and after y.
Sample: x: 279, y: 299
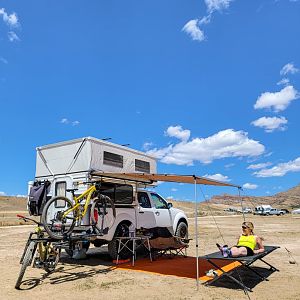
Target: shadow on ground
x: 245, y: 276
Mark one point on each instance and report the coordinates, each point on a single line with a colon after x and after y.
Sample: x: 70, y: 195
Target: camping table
x: 124, y: 241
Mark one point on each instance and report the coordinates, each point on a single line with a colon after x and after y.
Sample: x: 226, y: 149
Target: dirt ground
x: 96, y: 277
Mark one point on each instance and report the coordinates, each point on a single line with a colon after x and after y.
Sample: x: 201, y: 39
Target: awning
x: 150, y: 178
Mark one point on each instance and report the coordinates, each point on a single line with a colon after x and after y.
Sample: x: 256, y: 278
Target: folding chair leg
x: 245, y: 288
x: 272, y: 268
x: 254, y: 271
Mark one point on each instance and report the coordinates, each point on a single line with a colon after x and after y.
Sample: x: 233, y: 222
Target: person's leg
x: 238, y: 251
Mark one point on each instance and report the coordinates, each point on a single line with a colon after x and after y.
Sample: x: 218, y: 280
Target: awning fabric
x: 150, y: 178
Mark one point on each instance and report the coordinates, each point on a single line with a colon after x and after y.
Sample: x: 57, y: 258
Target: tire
x: 54, y: 223
x: 182, y: 230
x: 99, y: 212
x: 52, y: 259
x: 113, y: 245
x: 27, y: 259
x: 70, y: 250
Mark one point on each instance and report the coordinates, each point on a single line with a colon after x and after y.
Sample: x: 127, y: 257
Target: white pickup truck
x: 153, y: 214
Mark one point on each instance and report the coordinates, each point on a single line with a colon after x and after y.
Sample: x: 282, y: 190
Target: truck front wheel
x: 182, y: 230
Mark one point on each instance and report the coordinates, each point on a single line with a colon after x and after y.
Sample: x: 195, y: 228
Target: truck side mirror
x: 170, y: 205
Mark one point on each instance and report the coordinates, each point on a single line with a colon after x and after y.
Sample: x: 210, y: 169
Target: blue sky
x: 211, y: 87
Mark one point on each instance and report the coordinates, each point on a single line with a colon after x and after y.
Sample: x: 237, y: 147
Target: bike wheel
x: 27, y: 259
x: 56, y: 223
x: 103, y: 214
x: 52, y: 257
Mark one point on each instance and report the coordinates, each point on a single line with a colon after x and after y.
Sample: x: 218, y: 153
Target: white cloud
x: 284, y: 81
x: 170, y: 198
x: 192, y: 27
x: 67, y: 121
x: 279, y: 100
x: 178, y: 132
x: 218, y: 177
x: 64, y: 121
x: 268, y: 154
x: 225, y: 143
x: 271, y: 124
x: 2, y: 59
x: 288, y: 69
x: 250, y: 186
x: 217, y: 5
x: 205, y: 20
x: 259, y: 166
x: 228, y: 166
x: 193, y: 30
x: 11, y: 20
x: 174, y: 190
x: 147, y: 146
x: 12, y: 36
x: 2, y: 194
x: 280, y: 170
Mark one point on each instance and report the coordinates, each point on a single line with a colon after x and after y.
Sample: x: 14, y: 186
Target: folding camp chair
x: 170, y: 247
x: 245, y: 261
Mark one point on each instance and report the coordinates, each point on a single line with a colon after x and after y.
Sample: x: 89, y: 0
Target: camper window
x: 119, y: 193
x: 123, y: 194
x: 142, y: 166
x: 112, y: 159
x: 60, y: 190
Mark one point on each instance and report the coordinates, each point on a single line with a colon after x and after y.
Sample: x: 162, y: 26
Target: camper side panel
x: 115, y: 160
x: 62, y: 159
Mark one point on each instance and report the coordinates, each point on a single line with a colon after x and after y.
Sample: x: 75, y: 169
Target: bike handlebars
x: 26, y: 219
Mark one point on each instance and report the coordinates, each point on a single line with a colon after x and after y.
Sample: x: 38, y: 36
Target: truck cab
x: 155, y: 211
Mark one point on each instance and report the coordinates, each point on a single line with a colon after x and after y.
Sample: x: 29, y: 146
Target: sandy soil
x: 96, y: 277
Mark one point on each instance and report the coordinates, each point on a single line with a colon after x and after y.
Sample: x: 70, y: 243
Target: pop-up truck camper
x: 71, y: 164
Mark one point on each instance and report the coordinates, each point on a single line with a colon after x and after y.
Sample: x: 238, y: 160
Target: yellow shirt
x: 247, y: 241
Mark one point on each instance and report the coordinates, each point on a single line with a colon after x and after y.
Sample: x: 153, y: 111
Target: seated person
x: 248, y: 244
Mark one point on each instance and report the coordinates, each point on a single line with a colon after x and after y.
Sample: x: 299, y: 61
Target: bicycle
x: 60, y: 216
x: 47, y: 255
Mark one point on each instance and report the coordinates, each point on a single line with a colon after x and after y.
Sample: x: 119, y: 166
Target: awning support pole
x: 196, y: 230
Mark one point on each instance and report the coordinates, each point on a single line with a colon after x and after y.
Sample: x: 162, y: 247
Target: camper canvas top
x: 90, y: 154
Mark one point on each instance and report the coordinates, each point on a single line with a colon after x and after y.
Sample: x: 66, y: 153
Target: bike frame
x: 87, y: 194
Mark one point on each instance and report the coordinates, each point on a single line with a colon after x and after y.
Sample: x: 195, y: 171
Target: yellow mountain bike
x: 46, y: 256
x: 60, y: 215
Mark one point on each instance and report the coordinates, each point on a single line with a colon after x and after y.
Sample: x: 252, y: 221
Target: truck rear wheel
x: 113, y: 246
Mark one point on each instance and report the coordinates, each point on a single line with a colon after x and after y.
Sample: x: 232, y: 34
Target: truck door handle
x: 141, y: 212
x: 157, y: 213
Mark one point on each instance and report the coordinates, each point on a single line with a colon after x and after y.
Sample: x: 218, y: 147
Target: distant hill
x: 10, y: 203
x: 288, y: 199
x: 10, y: 207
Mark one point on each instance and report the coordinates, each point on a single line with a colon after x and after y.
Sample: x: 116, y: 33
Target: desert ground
x: 97, y: 277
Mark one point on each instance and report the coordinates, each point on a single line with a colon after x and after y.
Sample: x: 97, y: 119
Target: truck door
x: 163, y: 215
x: 145, y: 212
